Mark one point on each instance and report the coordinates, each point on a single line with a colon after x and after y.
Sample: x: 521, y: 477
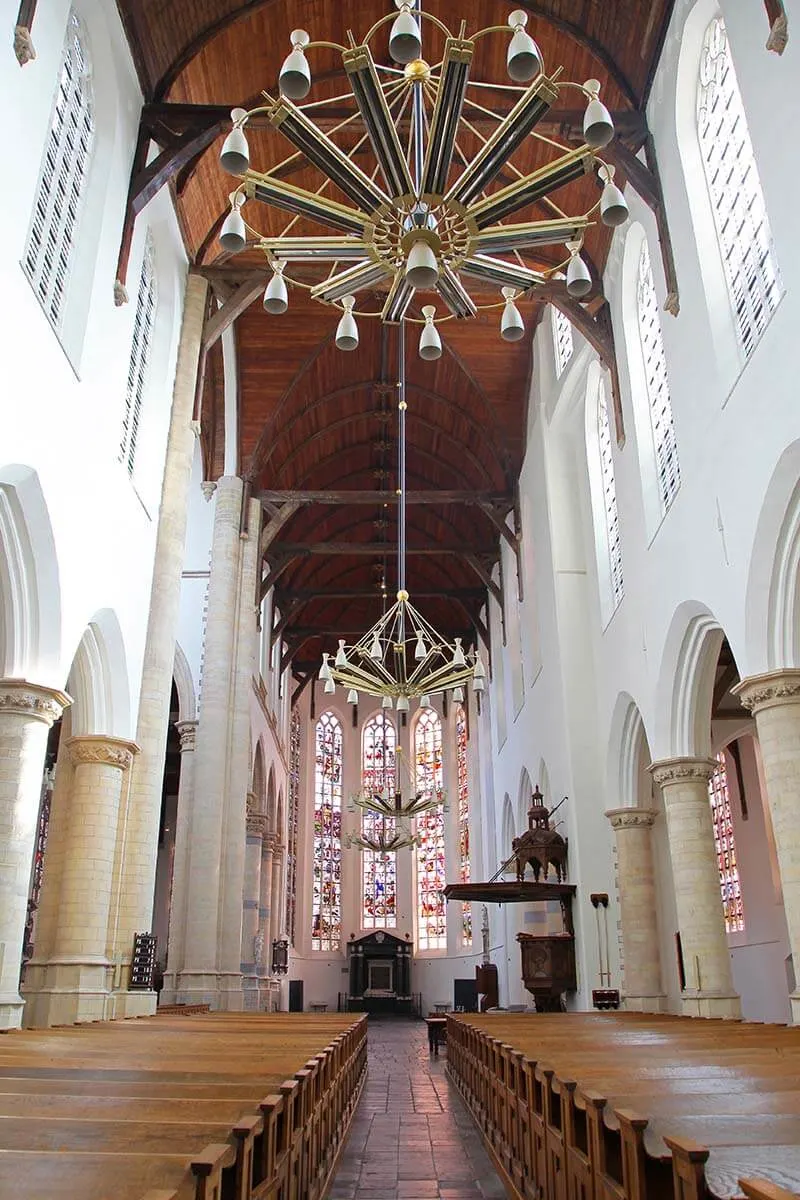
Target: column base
x: 794, y: 1000
x: 67, y: 991
x: 169, y: 991
x: 250, y: 993
x: 124, y: 1005
x: 231, y: 994
x: 710, y: 1004
x: 654, y: 1004
x: 11, y: 1009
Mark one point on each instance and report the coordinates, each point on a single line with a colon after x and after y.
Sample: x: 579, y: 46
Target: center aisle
x: 411, y: 1138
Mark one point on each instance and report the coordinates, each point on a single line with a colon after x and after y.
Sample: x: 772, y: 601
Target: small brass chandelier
x: 395, y: 813
x: 429, y: 216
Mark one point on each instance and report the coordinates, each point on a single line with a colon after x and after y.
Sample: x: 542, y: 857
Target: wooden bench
x: 582, y: 1106
x: 216, y: 1107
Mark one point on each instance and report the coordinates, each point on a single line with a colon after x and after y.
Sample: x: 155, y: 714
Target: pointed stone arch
x: 184, y: 685
x: 98, y: 680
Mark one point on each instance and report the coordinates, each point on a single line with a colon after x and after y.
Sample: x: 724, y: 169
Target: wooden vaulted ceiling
x: 314, y: 419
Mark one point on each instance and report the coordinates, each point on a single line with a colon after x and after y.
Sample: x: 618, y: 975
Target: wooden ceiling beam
x: 309, y: 496
x: 241, y: 300
x: 778, y: 26
x: 369, y: 549
x: 308, y: 595
x: 23, y: 42
x: 146, y: 180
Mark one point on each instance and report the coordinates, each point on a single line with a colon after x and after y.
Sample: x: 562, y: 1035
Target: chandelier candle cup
x: 523, y: 60
x: 430, y: 348
x: 579, y: 279
x: 276, y: 295
x: 347, y: 330
x: 405, y: 39
x: 295, y: 77
x: 598, y: 128
x: 235, y: 154
x: 613, y: 205
x: 512, y: 327
x: 233, y: 235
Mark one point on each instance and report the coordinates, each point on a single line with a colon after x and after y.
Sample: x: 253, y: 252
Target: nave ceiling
x: 312, y: 418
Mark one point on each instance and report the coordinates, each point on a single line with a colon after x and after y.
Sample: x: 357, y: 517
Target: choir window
x: 291, y: 845
x: 610, y: 513
x: 740, y: 214
x: 326, y: 901
x: 61, y: 188
x: 462, y: 782
x: 430, y: 853
x: 378, y: 871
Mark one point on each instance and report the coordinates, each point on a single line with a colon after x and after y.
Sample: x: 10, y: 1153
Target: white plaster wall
x: 732, y: 423
x: 62, y: 411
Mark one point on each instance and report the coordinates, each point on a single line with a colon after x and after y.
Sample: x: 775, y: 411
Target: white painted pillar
x: 252, y: 948
x: 638, y: 905
x: 187, y: 731
x: 709, y: 990
x: 27, y: 710
x: 234, y: 828
x: 199, y: 982
x: 774, y: 701
x: 134, y: 905
x: 74, y: 984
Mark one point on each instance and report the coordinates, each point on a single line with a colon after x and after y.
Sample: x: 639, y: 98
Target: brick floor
x: 412, y: 1137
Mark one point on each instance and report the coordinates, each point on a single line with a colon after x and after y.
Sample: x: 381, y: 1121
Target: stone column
x: 27, y: 711
x: 138, y: 867
x: 709, y: 988
x: 264, y: 912
x: 187, y: 731
x: 774, y: 701
x: 76, y: 984
x: 253, y: 945
x: 229, y: 957
x: 276, y: 897
x: 199, y: 978
x: 638, y: 905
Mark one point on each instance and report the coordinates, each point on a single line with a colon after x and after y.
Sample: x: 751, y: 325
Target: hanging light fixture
x: 419, y: 222
x: 396, y: 811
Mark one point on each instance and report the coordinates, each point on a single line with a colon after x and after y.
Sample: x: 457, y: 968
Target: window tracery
x: 657, y: 384
x: 562, y: 340
x: 141, y: 343
x: 737, y: 199
x: 49, y: 252
x: 378, y: 871
x: 430, y: 851
x: 721, y: 816
x: 326, y: 902
x: 608, y: 483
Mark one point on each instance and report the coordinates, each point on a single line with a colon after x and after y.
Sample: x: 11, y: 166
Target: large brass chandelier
x: 395, y: 812
x: 429, y: 216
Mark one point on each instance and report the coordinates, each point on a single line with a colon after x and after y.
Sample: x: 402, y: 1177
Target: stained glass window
x: 658, y: 397
x: 462, y: 782
x: 740, y: 214
x: 562, y: 340
x: 726, y: 850
x: 431, y: 875
x: 326, y: 904
x: 291, y: 845
x: 613, y: 538
x: 378, y: 871
x: 62, y: 182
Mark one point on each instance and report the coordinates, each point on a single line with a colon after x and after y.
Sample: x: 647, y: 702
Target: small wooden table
x: 437, y: 1029
x: 318, y: 1008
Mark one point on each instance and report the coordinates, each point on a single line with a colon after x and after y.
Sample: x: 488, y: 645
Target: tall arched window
x: 562, y: 340
x: 378, y: 871
x: 293, y: 820
x: 326, y: 901
x: 740, y: 214
x: 726, y: 849
x: 143, y: 324
x: 612, y: 539
x: 430, y: 855
x: 657, y: 383
x: 462, y: 783
x: 48, y: 256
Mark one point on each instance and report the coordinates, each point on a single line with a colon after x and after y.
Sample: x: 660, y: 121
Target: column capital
x: 678, y: 770
x: 187, y: 731
x: 770, y: 689
x: 102, y: 750
x: 630, y: 818
x: 25, y: 699
x: 256, y: 824
x: 270, y: 840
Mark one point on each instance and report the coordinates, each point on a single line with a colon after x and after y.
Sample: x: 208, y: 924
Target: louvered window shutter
x: 658, y: 397
x: 143, y: 324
